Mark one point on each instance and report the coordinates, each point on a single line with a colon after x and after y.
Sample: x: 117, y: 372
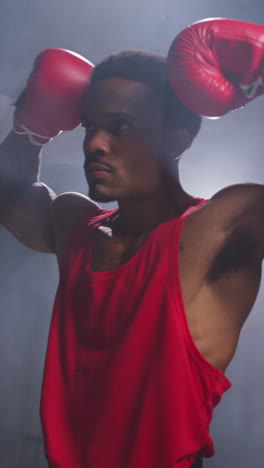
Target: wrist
x: 19, y: 160
x: 34, y: 138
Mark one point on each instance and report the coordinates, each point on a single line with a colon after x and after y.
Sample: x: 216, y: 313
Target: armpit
x: 239, y: 251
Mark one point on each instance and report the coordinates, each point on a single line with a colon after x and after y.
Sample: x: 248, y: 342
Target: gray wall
x: 227, y: 151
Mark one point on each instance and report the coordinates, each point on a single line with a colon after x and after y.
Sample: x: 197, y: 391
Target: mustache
x: 94, y: 159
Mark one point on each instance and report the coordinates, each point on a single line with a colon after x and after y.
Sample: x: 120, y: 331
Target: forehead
x: 120, y: 95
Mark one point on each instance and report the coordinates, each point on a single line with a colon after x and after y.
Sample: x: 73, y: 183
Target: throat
x: 113, y: 227
x: 139, y: 219
x: 122, y: 234
x: 110, y: 251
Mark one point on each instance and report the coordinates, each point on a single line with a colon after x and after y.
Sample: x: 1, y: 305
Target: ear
x: 177, y: 141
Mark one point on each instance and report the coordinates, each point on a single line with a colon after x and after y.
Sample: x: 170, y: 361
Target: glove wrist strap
x: 33, y: 136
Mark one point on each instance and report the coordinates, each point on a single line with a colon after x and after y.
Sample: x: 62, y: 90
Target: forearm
x: 19, y: 162
x: 25, y: 204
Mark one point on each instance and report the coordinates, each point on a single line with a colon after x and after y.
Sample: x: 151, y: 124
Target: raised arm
x: 51, y: 103
x: 25, y: 203
x: 215, y: 66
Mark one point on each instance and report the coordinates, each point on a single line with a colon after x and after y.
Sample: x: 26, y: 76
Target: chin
x: 101, y: 197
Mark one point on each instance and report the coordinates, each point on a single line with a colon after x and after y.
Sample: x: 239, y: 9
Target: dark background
x: 227, y: 151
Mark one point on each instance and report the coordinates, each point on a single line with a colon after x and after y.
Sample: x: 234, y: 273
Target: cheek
x: 146, y: 158
x: 139, y: 159
x: 141, y: 172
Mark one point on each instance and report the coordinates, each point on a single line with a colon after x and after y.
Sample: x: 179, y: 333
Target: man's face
x: 123, y: 145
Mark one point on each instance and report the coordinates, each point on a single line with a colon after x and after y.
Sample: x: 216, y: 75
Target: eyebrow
x: 107, y: 115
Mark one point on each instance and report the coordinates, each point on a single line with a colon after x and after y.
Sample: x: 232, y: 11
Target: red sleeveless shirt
x: 124, y: 384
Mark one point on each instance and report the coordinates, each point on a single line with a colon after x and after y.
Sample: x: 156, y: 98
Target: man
x: 152, y: 296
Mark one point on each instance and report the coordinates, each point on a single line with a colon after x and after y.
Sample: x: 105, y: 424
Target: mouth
x: 94, y: 170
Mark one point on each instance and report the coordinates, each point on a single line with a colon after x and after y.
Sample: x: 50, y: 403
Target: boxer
x: 152, y: 295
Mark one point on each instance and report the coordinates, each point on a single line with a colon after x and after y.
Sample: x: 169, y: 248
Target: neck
x: 140, y: 216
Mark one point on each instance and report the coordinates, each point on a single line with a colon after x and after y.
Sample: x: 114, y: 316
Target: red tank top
x: 124, y: 384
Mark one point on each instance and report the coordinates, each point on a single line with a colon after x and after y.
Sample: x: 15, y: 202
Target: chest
x: 187, y: 256
x: 199, y: 254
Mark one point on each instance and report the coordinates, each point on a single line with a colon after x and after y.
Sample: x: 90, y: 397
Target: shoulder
x: 247, y: 193
x: 67, y: 209
x: 235, y: 211
x: 72, y: 201
x: 234, y: 204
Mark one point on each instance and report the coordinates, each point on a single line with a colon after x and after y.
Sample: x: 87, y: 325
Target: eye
x: 89, y: 127
x: 89, y: 130
x: 120, y: 127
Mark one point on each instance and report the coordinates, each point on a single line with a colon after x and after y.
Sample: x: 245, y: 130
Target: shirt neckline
x: 95, y: 222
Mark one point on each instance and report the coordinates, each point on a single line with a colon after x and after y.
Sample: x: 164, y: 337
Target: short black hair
x: 150, y: 69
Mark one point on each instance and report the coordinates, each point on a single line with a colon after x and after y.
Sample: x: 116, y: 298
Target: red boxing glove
x: 54, y: 96
x: 217, y: 65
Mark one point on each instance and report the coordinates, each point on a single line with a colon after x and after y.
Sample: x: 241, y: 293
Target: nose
x: 97, y: 143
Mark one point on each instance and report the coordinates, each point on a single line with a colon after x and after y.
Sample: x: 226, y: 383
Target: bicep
x: 40, y: 219
x: 27, y: 214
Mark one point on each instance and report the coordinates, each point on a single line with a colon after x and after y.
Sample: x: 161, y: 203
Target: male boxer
x: 153, y: 295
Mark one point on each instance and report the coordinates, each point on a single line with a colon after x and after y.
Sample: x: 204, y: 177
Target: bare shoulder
x: 228, y: 228
x: 67, y: 208
x: 235, y: 205
x: 71, y: 204
x: 220, y: 267
x: 224, y: 229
